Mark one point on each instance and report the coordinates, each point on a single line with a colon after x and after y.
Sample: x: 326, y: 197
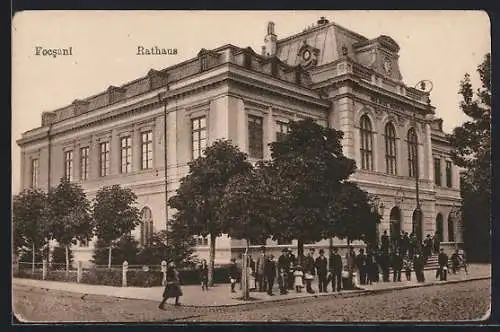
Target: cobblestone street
x: 449, y: 302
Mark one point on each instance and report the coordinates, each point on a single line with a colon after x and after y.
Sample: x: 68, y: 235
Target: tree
x: 115, y: 214
x: 178, y: 248
x: 201, y: 192
x: 69, y: 215
x: 247, y: 208
x: 307, y: 168
x: 353, y: 215
x: 472, y: 150
x: 30, y: 222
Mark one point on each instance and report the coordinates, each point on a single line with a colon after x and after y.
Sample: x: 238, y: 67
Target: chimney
x: 270, y: 40
x: 322, y: 21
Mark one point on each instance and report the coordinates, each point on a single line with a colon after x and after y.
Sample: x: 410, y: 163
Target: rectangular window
x: 35, y: 169
x: 104, y: 159
x: 255, y: 137
x: 283, y: 129
x: 198, y: 136
x: 448, y: 174
x: 126, y: 154
x: 84, y: 163
x: 84, y: 243
x: 68, y: 165
x: 147, y: 150
x: 437, y: 171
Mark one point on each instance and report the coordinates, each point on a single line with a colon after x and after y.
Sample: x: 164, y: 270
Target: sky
x: 440, y: 46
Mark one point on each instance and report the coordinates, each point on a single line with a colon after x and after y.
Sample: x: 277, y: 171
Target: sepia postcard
x: 251, y: 166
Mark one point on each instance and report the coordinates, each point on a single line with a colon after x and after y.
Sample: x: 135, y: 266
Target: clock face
x: 306, y: 55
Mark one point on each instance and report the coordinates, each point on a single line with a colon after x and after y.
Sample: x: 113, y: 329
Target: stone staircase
x: 431, y: 264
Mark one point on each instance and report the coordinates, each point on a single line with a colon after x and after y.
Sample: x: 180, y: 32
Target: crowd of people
x: 403, y: 253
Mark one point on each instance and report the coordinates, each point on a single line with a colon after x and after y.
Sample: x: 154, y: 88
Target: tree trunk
x: 244, y: 273
x: 300, y: 251
x: 211, y: 259
x: 67, y: 259
x: 33, y: 259
x: 109, y: 257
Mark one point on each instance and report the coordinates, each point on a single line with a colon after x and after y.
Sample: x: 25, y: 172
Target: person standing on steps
x: 172, y: 286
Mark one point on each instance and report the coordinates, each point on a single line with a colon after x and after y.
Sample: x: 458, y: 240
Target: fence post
x: 44, y: 269
x: 124, y: 274
x: 164, y: 271
x: 79, y: 272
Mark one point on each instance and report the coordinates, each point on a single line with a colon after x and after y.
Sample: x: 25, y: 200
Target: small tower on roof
x: 270, y: 40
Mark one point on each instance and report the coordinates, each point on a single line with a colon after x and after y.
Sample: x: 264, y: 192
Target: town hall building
x: 142, y: 134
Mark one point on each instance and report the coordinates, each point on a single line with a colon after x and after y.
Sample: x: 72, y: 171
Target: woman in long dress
x: 172, y: 286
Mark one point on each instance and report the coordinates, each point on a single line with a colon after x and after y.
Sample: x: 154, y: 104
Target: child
x: 298, y: 274
x: 203, y: 271
x: 407, y: 267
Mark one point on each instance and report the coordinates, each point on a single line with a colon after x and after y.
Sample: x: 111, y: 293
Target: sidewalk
x: 220, y: 295
x: 475, y: 271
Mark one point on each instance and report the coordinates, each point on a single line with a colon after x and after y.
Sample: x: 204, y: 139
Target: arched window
x: 412, y: 153
x: 417, y: 224
x: 439, y: 227
x: 390, y: 149
x: 395, y: 222
x: 146, y: 226
x: 451, y: 229
x: 366, y: 143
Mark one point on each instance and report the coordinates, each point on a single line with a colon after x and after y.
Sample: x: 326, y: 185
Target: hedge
x: 135, y: 278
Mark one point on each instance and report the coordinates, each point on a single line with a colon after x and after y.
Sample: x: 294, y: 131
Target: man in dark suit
x: 270, y: 273
x: 361, y: 263
x: 259, y: 269
x: 309, y: 270
x: 321, y: 265
x: 397, y: 266
x: 283, y: 271
x: 443, y: 263
x: 335, y: 269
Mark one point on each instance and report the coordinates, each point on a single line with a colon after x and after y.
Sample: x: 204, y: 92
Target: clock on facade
x: 306, y: 55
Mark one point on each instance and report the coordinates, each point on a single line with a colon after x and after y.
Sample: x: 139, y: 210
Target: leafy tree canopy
x: 29, y: 218
x: 115, y: 213
x: 308, y: 168
x: 69, y: 213
x: 201, y: 192
x: 248, y: 205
